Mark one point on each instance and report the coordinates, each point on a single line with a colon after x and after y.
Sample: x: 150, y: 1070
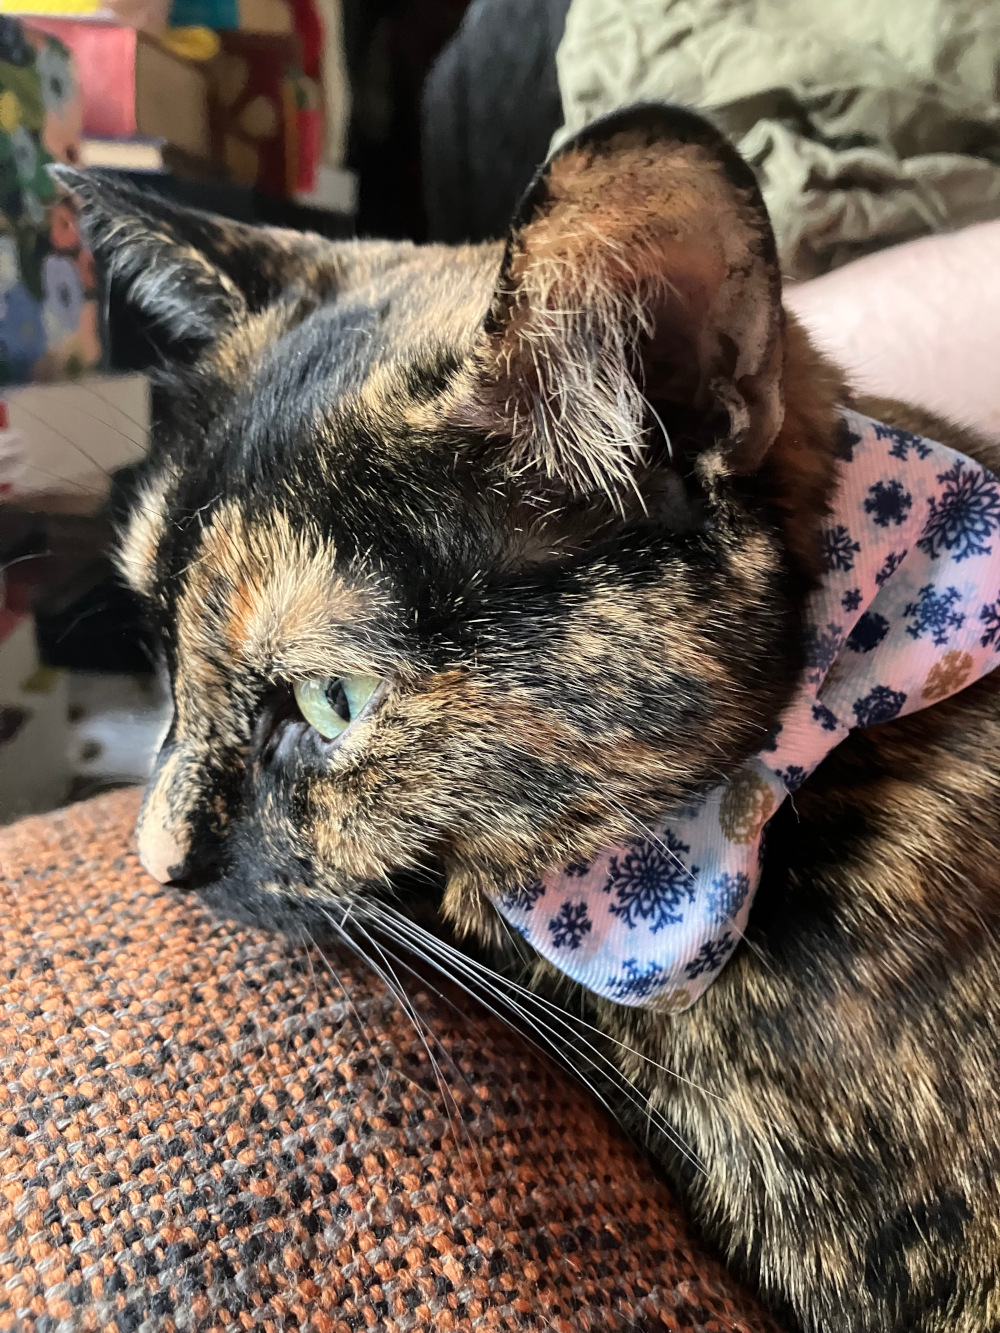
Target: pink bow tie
x: 907, y: 614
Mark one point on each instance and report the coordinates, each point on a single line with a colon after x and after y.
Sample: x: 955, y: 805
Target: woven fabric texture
x: 195, y: 1135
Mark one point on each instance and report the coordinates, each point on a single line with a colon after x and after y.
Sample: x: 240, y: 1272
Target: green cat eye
x: 331, y: 703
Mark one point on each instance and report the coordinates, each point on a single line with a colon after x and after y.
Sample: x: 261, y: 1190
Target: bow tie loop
x: 908, y: 612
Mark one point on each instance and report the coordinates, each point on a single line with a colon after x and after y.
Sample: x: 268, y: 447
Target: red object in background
x: 310, y: 132
x: 254, y: 126
x: 6, y: 487
x: 105, y: 56
x: 309, y: 28
x: 105, y: 63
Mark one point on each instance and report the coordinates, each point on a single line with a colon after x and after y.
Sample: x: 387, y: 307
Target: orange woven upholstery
x: 194, y: 1135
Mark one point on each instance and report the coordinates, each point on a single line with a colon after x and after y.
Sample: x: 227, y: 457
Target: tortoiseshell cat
x: 439, y: 480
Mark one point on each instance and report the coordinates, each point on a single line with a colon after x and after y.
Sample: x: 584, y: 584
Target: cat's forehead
x: 348, y: 373
x: 316, y: 432
x: 432, y: 297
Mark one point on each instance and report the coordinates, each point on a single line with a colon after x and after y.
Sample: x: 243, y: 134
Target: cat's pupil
x: 337, y: 699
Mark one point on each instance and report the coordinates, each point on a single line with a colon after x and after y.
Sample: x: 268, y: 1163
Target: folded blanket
x: 867, y: 124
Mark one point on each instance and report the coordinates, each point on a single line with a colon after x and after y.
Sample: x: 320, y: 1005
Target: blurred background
x: 874, y: 129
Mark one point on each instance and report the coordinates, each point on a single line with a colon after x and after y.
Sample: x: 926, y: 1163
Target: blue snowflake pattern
x: 770, y: 741
x: 524, y: 897
x: 847, y: 441
x: 577, y: 869
x: 888, y: 502
x: 990, y: 616
x: 880, y: 704
x: 822, y: 647
x: 967, y: 514
x: 933, y: 613
x: 569, y: 925
x: 726, y: 895
x: 711, y: 956
x: 903, y: 441
x: 868, y: 633
x: 635, y: 983
x: 839, y: 549
x: 892, y: 562
x: 651, y: 882
x: 793, y: 776
x: 826, y: 719
x: 851, y: 599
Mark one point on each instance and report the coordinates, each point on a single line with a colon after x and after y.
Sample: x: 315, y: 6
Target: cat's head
x: 471, y: 558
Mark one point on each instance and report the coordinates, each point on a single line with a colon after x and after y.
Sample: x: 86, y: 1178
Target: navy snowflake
x: 651, y: 883
x: 634, y: 982
x: 851, y: 599
x: 879, y: 705
x: 826, y: 719
x: 577, y: 869
x: 868, y: 633
x: 524, y: 897
x: 891, y: 563
x: 770, y: 741
x: 847, y: 441
x: 569, y: 925
x: 711, y: 956
x: 888, y: 502
x: 933, y: 613
x: 793, y: 776
x: 838, y: 548
x: 822, y: 647
x: 967, y: 514
x: 726, y: 895
x: 903, y: 441
x: 990, y: 616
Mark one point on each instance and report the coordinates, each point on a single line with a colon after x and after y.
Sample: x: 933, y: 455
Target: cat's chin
x: 314, y: 911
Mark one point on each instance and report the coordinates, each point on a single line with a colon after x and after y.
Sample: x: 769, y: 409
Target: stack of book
x: 230, y: 91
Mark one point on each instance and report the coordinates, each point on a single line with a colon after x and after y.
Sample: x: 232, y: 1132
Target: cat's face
x: 433, y: 591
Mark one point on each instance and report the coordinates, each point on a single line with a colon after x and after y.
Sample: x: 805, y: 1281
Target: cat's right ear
x: 178, y: 279
x: 639, y: 289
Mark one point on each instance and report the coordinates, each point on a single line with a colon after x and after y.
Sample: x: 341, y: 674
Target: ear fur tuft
x: 640, y: 271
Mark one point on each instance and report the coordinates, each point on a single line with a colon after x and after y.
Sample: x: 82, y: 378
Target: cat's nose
x: 178, y: 841
x: 164, y: 829
x: 162, y: 855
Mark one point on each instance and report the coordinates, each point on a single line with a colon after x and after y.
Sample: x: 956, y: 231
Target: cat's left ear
x: 178, y: 279
x: 640, y: 282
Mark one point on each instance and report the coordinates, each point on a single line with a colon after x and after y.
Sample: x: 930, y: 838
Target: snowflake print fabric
x: 651, y: 883
x: 907, y: 614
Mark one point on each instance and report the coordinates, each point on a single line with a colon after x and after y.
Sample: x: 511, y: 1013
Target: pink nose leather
x: 163, y: 842
x: 161, y: 854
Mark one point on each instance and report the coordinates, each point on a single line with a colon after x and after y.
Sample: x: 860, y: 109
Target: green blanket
x: 867, y: 123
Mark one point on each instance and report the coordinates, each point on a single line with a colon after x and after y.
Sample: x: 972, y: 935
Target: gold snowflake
x: 948, y: 675
x: 746, y: 807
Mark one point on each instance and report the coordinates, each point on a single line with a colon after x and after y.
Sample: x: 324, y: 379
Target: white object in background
x: 117, y: 724
x: 78, y: 432
x: 336, y: 190
x: 34, y: 771
x: 13, y: 460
